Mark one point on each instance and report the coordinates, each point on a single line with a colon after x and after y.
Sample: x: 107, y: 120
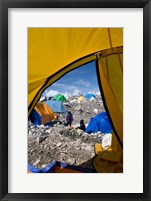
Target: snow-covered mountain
x: 97, y: 93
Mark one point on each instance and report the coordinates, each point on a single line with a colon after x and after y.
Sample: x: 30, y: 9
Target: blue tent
x: 99, y: 123
x: 35, y: 118
x: 88, y: 96
x: 56, y: 106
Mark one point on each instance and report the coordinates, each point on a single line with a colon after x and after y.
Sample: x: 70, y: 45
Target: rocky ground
x: 59, y: 143
x: 84, y: 109
x: 65, y: 144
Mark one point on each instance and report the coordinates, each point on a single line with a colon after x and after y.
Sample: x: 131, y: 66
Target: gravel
x: 62, y: 146
x: 65, y: 144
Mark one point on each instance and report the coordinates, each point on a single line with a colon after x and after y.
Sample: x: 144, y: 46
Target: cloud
x: 76, y: 92
x: 64, y: 87
x: 96, y: 92
x: 84, y: 83
x: 52, y: 93
x: 66, y: 94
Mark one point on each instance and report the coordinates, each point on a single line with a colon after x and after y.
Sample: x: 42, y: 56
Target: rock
x: 85, y: 138
x: 64, y: 145
x: 29, y: 132
x: 78, y: 142
x: 48, y: 131
x: 36, y: 162
x: 44, y: 165
x: 41, y: 146
x: 45, y: 146
x: 32, y: 126
x: 88, y: 148
x: 40, y: 139
x: 71, y: 161
x: 58, y: 144
x: 61, y: 132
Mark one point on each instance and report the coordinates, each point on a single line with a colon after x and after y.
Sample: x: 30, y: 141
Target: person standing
x: 69, y: 118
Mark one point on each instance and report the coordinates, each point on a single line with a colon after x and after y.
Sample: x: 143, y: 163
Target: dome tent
x: 42, y: 114
x: 89, y: 96
x: 99, y: 123
x: 56, y: 106
x: 60, y: 97
x: 81, y: 98
x: 49, y: 59
x: 35, y: 118
x: 92, y: 99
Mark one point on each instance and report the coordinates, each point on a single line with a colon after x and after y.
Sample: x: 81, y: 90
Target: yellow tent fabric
x: 45, y: 112
x: 81, y: 98
x: 110, y: 70
x: 52, y: 49
x: 110, y: 160
x: 53, y: 52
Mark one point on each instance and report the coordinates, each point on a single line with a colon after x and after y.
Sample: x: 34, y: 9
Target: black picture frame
x: 4, y: 5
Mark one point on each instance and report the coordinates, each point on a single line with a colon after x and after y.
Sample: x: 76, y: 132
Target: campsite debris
x: 106, y: 142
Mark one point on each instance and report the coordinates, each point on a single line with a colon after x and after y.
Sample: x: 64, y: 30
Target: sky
x: 79, y: 81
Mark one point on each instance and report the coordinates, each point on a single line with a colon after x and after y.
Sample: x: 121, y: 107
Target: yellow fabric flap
x: 108, y: 154
x: 105, y: 166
